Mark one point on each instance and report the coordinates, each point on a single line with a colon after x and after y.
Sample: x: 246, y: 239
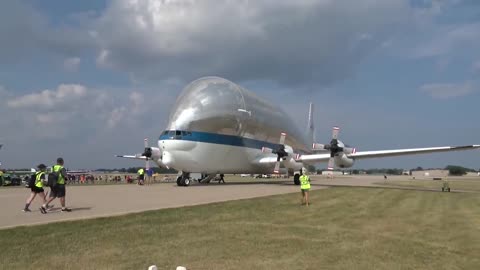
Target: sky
x: 89, y: 79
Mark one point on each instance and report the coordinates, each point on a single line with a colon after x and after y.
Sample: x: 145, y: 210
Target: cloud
x: 3, y: 91
x: 127, y: 112
x: 448, y: 38
x: 448, y: 90
x: 72, y: 63
x: 25, y: 31
x: 74, y: 105
x: 476, y: 67
x: 49, y: 99
x: 291, y: 42
x: 104, y: 121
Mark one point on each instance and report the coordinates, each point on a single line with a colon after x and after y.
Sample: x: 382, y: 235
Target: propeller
x: 334, y: 148
x: 147, y: 153
x: 280, y: 151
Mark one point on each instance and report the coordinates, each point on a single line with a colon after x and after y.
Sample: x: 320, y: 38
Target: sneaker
x: 66, y: 210
x: 43, y: 210
x: 26, y: 210
x: 49, y: 207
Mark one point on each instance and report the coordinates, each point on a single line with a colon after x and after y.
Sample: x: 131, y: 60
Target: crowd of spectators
x: 92, y: 179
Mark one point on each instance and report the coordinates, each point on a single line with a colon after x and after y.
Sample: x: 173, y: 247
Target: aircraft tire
x: 186, y: 182
x: 296, y: 179
x: 179, y: 181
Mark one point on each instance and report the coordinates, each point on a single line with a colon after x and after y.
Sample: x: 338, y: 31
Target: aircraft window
x: 171, y: 133
x: 178, y: 133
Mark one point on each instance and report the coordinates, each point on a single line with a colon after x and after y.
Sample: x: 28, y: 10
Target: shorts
x: 57, y: 191
x: 37, y: 189
x: 306, y: 189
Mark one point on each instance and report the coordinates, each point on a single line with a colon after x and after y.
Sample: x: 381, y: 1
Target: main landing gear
x: 184, y: 180
x: 296, y: 179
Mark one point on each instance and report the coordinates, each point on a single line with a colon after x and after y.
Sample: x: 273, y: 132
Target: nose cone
x: 208, y: 104
x: 167, y: 159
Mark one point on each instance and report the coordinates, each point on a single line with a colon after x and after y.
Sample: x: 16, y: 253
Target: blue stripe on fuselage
x: 206, y: 137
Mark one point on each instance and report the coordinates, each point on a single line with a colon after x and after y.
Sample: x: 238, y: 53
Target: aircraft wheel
x: 186, y: 182
x: 296, y: 179
x: 179, y: 181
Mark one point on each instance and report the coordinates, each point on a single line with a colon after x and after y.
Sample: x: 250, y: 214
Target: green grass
x: 344, y: 228
x: 470, y: 185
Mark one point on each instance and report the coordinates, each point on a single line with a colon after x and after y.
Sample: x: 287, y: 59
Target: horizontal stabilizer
x: 137, y: 156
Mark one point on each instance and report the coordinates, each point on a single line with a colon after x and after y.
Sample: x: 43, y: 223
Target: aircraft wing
x: 388, y: 153
x: 137, y: 156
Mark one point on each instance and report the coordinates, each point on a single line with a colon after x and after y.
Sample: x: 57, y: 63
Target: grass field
x: 470, y: 185
x: 344, y: 228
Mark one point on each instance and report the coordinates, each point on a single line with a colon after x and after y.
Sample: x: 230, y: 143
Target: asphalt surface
x: 92, y: 201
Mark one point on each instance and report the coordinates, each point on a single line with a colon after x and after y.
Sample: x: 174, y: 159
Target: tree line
x: 135, y: 169
x: 452, y: 170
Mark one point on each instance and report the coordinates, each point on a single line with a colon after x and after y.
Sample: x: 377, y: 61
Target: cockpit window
x: 165, y: 132
x: 178, y: 133
x: 171, y: 133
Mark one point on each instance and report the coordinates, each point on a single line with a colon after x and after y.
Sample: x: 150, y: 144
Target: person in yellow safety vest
x: 58, y: 189
x: 37, y: 188
x: 141, y: 176
x: 304, y: 186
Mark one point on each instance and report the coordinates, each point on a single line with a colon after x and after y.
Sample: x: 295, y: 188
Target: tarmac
x: 91, y: 201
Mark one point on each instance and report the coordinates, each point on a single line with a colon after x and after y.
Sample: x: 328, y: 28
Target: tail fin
x: 311, y: 127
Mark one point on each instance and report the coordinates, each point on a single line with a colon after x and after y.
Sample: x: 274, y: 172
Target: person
x: 37, y: 188
x: 305, y: 186
x: 148, y: 181
x: 141, y: 176
x: 222, y: 179
x: 58, y: 189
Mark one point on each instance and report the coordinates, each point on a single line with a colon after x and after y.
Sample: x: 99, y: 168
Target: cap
x: 42, y: 166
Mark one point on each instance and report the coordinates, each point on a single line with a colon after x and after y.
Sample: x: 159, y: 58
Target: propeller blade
x: 267, y: 150
x: 331, y: 164
x: 349, y: 150
x: 282, y: 138
x: 277, y: 167
x: 335, y: 132
x: 318, y: 146
x: 145, y: 142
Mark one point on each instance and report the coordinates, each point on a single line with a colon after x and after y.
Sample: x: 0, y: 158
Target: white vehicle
x: 218, y: 127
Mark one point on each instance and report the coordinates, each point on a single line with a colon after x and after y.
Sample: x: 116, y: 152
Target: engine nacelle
x: 289, y: 161
x: 156, y: 153
x: 342, y: 161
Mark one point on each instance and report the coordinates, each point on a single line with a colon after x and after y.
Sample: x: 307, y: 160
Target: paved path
x: 107, y: 200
